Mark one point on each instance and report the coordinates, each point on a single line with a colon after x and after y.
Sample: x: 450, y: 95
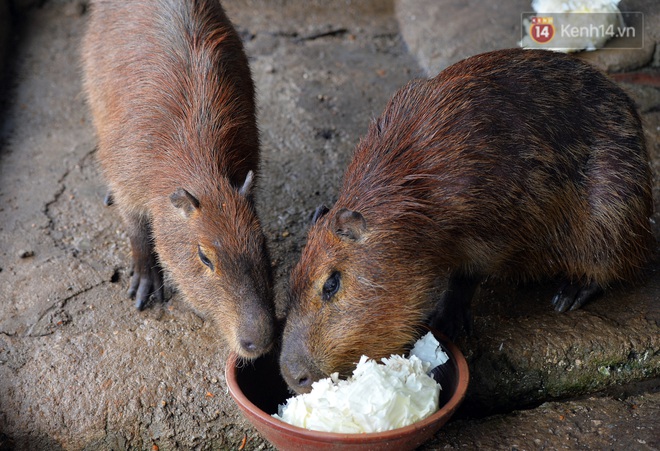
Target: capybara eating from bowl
x: 517, y: 164
x: 172, y: 101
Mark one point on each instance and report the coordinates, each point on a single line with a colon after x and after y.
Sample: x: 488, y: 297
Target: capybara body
x: 173, y: 104
x: 516, y: 164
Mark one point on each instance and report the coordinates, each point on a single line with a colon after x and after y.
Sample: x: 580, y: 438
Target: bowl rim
x: 449, y: 407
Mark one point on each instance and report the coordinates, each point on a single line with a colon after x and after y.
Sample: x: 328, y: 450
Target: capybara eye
x: 204, y: 258
x: 331, y: 286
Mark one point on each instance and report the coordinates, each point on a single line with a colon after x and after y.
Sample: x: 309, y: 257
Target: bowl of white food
x: 396, y: 403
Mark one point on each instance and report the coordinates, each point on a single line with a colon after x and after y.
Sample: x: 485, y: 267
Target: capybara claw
x: 572, y: 296
x: 108, y: 199
x: 140, y: 304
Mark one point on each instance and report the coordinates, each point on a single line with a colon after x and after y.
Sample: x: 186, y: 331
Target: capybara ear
x: 248, y: 184
x: 184, y: 201
x: 350, y: 225
x: 320, y: 211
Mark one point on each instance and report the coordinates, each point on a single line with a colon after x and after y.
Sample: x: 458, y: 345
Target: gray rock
x: 625, y: 60
x: 440, y: 33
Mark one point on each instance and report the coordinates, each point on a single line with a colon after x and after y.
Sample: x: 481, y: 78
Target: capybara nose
x: 255, y: 334
x: 303, y: 382
x: 299, y: 371
x: 251, y: 347
x: 257, y: 343
x: 298, y: 379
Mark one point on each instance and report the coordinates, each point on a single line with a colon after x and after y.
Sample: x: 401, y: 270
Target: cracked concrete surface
x: 81, y: 369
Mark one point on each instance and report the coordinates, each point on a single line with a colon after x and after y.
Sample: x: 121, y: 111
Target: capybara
x: 172, y: 99
x: 517, y: 164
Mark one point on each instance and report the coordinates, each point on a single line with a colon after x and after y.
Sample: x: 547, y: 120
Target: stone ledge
x: 440, y: 33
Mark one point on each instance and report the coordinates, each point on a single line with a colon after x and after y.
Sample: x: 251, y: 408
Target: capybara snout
x: 231, y: 271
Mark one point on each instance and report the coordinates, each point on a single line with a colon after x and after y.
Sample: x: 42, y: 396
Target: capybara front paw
x: 144, y: 284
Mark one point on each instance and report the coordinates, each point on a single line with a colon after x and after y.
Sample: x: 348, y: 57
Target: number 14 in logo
x: 541, y: 30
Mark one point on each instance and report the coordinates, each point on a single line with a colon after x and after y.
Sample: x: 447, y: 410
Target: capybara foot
x: 146, y: 280
x: 573, y: 295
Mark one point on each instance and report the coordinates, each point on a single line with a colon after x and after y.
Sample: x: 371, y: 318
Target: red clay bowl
x: 258, y: 388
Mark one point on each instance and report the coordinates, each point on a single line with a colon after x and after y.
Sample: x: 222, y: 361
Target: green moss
x: 597, y: 375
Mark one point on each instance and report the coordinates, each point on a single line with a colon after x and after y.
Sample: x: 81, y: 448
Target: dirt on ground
x: 80, y: 368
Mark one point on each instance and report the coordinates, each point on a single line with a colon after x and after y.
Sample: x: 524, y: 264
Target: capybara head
x: 348, y: 299
x: 216, y: 252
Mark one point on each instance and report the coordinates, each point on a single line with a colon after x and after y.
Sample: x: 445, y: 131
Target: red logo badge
x: 541, y: 30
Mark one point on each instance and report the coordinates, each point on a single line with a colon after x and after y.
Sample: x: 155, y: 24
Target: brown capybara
x: 516, y: 163
x: 173, y: 104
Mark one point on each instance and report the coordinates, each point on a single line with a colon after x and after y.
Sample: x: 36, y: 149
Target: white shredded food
x: 377, y: 397
x: 577, y: 6
x: 428, y: 349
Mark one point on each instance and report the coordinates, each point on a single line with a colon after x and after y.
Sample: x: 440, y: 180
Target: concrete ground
x: 80, y: 368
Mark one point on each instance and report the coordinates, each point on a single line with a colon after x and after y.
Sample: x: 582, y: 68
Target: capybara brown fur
x: 516, y: 164
x: 172, y: 100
